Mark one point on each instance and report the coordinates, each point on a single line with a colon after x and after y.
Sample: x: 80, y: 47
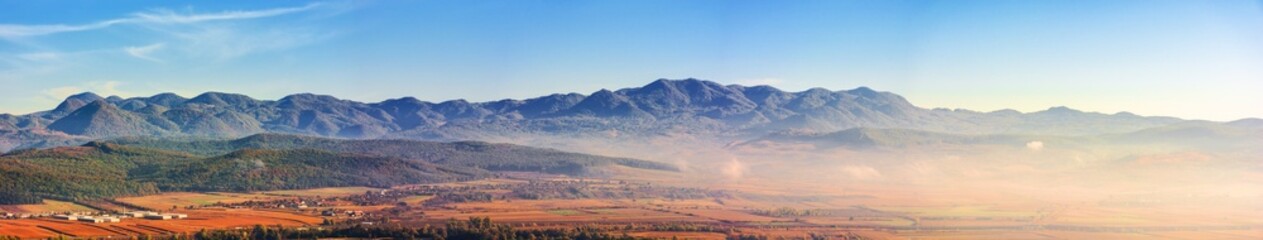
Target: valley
x: 687, y: 159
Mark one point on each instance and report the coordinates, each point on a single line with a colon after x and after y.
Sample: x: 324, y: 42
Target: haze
x: 1188, y: 59
x: 745, y: 120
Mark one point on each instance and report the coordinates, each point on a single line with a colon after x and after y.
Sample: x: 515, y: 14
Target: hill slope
x: 266, y: 162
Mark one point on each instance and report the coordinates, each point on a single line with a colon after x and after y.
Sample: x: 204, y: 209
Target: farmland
x: 672, y: 208
x: 335, y: 191
x: 199, y: 219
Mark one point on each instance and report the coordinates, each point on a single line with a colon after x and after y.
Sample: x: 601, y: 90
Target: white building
x: 91, y: 219
x: 157, y: 217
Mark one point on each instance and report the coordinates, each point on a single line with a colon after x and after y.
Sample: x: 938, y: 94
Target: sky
x: 1188, y: 59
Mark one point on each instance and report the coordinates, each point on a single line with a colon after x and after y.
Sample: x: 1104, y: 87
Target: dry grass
x: 47, y: 206
x: 182, y: 199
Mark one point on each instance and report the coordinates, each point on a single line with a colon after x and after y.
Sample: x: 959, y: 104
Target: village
x: 96, y: 217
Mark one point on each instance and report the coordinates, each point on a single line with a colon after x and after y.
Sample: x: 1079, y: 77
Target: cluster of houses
x: 8, y: 215
x: 89, y: 217
x: 348, y: 213
x: 155, y: 215
x: 295, y: 203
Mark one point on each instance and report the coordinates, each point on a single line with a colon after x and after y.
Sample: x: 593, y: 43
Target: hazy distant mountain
x: 690, y: 106
x: 1199, y: 135
x: 862, y: 138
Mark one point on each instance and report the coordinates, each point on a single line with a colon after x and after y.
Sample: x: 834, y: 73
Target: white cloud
x: 1035, y: 145
x: 861, y: 172
x: 735, y: 169
x: 143, y: 52
x: 105, y: 88
x: 159, y: 16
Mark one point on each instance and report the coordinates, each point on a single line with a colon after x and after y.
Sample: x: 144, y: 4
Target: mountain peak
x: 1247, y: 122
x: 76, y: 101
x: 100, y: 118
x: 864, y: 92
x: 222, y: 99
x: 85, y: 96
x: 606, y: 103
x: 405, y: 99
x: 166, y: 99
x: 309, y: 97
x: 1062, y: 109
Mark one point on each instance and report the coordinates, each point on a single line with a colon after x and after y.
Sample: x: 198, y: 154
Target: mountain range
x: 696, y: 107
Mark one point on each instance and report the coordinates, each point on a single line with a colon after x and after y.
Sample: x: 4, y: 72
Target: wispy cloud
x: 20, y: 66
x: 143, y: 52
x: 171, y: 36
x: 166, y: 16
x: 159, y: 16
x: 40, y: 56
x: 17, y: 30
x: 222, y: 42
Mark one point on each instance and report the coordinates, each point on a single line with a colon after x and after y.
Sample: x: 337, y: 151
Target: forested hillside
x: 268, y: 162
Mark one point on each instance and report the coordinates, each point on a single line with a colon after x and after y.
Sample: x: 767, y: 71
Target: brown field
x: 183, y: 199
x: 865, y: 210
x: 568, y: 216
x: 519, y: 205
x: 730, y: 215
x: 198, y: 219
x: 680, y: 235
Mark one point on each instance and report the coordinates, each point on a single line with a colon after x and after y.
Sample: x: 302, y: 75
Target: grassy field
x: 565, y: 212
x: 324, y: 192
x: 416, y: 200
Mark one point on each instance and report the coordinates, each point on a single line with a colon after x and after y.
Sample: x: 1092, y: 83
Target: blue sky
x: 1190, y: 59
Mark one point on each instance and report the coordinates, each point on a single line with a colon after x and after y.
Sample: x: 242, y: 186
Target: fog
x: 1101, y: 181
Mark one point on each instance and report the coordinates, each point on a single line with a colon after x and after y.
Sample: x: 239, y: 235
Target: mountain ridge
x: 663, y: 106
